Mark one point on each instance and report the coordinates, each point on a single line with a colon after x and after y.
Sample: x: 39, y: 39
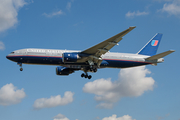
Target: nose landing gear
x: 21, y: 69
x: 20, y: 64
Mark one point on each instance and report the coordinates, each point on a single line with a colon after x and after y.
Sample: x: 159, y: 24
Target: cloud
x: 9, y: 95
x: 60, y: 117
x: 136, y: 13
x: 163, y: 0
x: 57, y: 13
x: 2, y: 46
x: 54, y: 101
x: 172, y: 8
x: 69, y: 5
x: 105, y: 105
x: 164, y: 117
x: 114, y: 117
x: 9, y: 12
x: 132, y: 82
x: 60, y: 12
x: 97, y: 118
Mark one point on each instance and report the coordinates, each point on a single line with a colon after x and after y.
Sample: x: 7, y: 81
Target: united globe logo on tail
x: 154, y: 42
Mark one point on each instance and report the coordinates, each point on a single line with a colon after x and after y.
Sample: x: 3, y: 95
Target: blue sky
x: 37, y: 93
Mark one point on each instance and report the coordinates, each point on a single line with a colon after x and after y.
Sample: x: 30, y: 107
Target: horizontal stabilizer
x: 161, y: 55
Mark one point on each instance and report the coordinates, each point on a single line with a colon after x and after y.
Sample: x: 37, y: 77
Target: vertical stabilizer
x: 151, y: 47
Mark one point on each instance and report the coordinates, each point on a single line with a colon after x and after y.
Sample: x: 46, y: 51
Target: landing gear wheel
x: 86, y: 76
x: 95, y: 69
x: 20, y: 64
x: 82, y: 75
x: 91, y: 69
x: 89, y: 77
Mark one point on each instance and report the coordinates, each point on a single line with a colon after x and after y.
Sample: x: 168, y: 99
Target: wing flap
x: 161, y: 55
x: 106, y: 48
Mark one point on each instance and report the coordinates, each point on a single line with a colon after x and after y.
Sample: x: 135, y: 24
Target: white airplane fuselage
x: 54, y: 57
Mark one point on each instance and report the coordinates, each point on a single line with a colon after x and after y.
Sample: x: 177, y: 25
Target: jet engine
x: 63, y: 70
x: 70, y: 57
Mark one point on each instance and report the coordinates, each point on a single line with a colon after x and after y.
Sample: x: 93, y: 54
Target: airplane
x: 93, y: 58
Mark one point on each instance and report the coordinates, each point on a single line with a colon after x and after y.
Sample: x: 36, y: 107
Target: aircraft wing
x: 103, y: 47
x: 106, y: 45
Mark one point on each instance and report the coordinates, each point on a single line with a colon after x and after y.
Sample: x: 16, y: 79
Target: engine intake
x: 70, y: 57
x: 63, y: 71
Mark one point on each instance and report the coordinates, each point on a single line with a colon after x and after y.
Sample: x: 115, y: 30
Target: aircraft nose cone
x: 8, y: 57
x: 11, y: 57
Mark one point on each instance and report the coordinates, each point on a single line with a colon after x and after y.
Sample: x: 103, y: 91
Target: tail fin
x: 151, y: 47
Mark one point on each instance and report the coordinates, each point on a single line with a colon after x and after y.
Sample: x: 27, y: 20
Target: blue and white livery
x: 91, y: 59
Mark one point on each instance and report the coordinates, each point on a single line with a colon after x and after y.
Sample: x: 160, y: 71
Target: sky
x: 140, y: 93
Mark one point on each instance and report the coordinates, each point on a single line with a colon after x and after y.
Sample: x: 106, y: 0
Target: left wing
x: 96, y: 51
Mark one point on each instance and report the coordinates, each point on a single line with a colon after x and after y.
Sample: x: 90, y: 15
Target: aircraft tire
x: 95, y: 69
x: 86, y: 76
x: 89, y: 77
x: 82, y: 75
x: 21, y: 69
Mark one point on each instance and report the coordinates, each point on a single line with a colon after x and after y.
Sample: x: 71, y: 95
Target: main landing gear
x: 89, y: 69
x: 93, y: 70
x: 86, y: 75
x: 20, y: 64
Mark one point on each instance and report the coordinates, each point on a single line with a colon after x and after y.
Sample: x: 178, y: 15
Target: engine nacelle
x: 63, y: 70
x: 70, y: 57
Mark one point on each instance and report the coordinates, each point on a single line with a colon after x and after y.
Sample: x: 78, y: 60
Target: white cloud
x: 105, y: 105
x: 57, y: 13
x: 97, y: 118
x: 164, y: 117
x: 9, y: 12
x: 136, y: 13
x: 68, y: 7
x: 114, y: 117
x: 132, y: 82
x: 2, y: 46
x: 172, y: 8
x: 69, y: 4
x: 9, y: 95
x: 163, y: 0
x: 54, y: 101
x: 60, y: 12
x: 60, y: 117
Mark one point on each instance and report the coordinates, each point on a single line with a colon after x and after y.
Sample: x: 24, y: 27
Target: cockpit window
x: 12, y: 52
